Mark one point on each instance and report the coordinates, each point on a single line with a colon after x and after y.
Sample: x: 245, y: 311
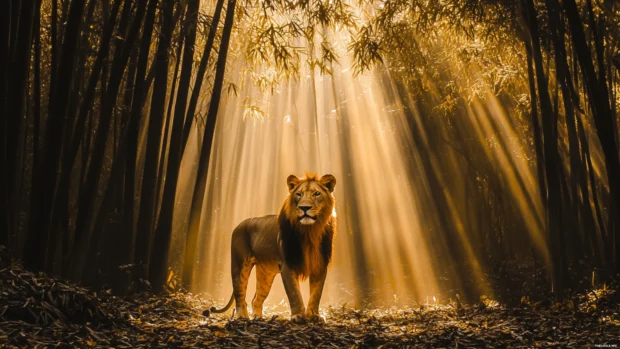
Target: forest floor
x: 38, y: 311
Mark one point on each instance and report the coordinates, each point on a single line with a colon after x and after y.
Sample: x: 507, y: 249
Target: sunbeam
x: 400, y: 239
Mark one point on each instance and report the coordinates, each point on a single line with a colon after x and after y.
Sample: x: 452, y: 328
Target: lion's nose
x: 305, y: 208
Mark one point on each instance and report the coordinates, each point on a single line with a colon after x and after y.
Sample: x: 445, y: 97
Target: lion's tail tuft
x: 221, y: 310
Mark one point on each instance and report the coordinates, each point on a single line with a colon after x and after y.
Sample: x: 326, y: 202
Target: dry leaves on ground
x: 38, y: 311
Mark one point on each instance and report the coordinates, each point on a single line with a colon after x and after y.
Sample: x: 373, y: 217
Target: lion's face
x: 311, y: 199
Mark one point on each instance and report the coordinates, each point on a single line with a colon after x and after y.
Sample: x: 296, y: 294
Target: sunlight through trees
x: 477, y: 141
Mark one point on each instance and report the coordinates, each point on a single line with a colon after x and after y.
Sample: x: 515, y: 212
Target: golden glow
x: 355, y: 127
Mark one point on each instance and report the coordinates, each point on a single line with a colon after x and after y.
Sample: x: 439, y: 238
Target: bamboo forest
x: 309, y: 174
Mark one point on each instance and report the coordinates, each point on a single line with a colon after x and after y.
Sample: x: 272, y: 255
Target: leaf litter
x: 38, y: 311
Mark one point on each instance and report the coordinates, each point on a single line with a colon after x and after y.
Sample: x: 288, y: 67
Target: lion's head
x: 310, y: 200
x: 307, y: 222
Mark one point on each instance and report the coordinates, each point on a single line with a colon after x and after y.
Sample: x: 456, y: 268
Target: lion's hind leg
x: 264, y: 280
x: 240, y: 270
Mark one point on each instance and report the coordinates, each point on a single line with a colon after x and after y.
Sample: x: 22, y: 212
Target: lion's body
x: 296, y: 243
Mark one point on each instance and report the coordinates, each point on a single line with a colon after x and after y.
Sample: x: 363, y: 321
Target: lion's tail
x: 221, y: 310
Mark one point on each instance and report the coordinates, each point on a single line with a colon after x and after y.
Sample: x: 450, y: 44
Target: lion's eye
x: 317, y: 193
x: 298, y: 194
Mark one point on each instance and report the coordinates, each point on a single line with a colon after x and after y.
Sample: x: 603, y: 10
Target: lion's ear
x: 329, y: 182
x: 292, y: 182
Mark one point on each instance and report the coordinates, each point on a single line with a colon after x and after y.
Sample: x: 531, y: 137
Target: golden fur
x: 316, y: 254
x: 296, y: 243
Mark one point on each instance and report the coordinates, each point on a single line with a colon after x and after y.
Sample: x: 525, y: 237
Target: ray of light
x: 407, y: 229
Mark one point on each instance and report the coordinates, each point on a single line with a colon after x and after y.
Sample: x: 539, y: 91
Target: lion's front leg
x: 291, y: 286
x: 316, y: 290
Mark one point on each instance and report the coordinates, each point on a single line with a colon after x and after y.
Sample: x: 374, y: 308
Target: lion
x: 297, y: 243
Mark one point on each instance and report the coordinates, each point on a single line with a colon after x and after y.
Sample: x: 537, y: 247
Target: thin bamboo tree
x: 207, y: 142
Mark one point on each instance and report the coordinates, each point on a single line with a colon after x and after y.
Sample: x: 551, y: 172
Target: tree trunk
x: 125, y: 255
x: 107, y: 200
x: 146, y: 217
x: 36, y: 131
x: 603, y: 119
x: 205, y: 150
x: 53, y: 53
x: 161, y: 171
x: 563, y: 80
x: 163, y: 233
x: 88, y: 192
x: 202, y: 69
x: 163, y: 157
x: 118, y: 248
x: 77, y: 132
x: 5, y: 32
x: 188, y: 58
x: 604, y: 256
x: 18, y: 93
x: 44, y: 182
x: 551, y: 156
x: 540, y: 169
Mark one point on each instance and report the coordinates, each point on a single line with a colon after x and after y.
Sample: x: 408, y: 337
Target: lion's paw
x: 316, y: 318
x: 298, y: 318
x: 313, y: 315
x: 242, y: 313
